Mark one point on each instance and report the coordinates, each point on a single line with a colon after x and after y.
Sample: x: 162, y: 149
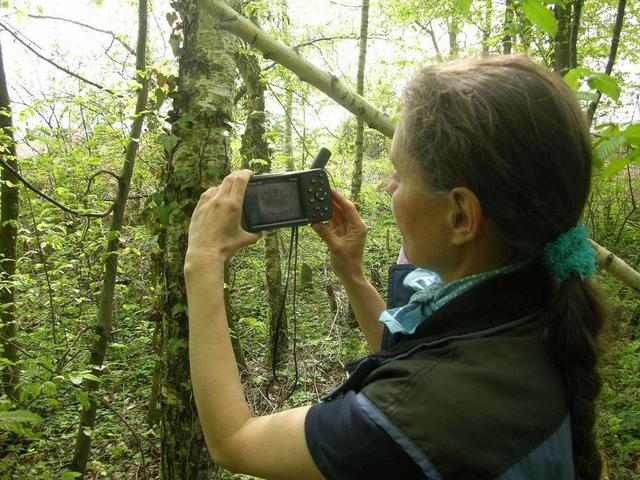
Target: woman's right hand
x: 345, y: 238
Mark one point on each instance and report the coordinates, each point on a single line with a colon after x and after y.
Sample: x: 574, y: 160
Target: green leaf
x: 572, y: 77
x: 49, y: 388
x: 538, y: 14
x: 83, y: 399
x: 632, y: 132
x: 618, y: 164
x: 91, y: 376
x: 605, y: 84
x: 169, y: 142
x: 464, y: 6
x: 588, y: 96
x: 9, y: 419
x: 608, y: 148
x: 68, y: 475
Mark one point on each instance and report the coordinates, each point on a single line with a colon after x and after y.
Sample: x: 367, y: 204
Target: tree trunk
x: 256, y: 152
x: 573, y: 34
x: 201, y: 121
x: 507, y: 37
x: 562, y: 50
x: 486, y: 27
x: 613, y: 52
x: 288, y: 125
x: 454, y: 28
x: 356, y: 182
x: 105, y: 311
x: 8, y: 252
x: 228, y: 19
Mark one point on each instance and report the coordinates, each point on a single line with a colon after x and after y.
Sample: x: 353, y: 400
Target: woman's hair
x: 512, y: 132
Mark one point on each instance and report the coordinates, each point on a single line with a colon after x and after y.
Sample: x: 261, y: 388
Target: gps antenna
x: 321, y: 158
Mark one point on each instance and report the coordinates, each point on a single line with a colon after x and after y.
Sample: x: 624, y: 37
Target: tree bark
x: 454, y: 28
x: 486, y: 27
x: 561, y: 43
x: 613, y: 52
x: 507, y: 37
x: 255, y: 147
x: 573, y: 34
x: 105, y: 312
x: 201, y: 122
x: 8, y: 236
x: 617, y: 267
x: 230, y: 20
x: 356, y: 181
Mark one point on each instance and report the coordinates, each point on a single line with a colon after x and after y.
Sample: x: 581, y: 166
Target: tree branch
x: 51, y: 200
x: 234, y: 23
x: 11, y: 32
x: 116, y: 37
x: 613, y: 51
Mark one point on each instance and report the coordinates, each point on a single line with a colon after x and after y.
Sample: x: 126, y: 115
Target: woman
x: 489, y: 371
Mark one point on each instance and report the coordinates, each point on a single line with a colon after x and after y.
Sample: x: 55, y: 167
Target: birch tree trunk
x: 356, y: 182
x: 105, y: 312
x: 8, y: 252
x: 201, y: 122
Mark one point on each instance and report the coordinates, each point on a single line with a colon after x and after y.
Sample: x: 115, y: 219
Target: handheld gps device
x: 288, y: 199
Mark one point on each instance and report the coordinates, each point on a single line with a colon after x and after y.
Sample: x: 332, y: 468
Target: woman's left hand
x: 215, y: 232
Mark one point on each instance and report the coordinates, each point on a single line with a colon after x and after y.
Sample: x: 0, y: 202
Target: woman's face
x: 420, y: 214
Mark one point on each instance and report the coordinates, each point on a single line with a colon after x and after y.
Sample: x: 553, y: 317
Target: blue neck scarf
x: 431, y: 294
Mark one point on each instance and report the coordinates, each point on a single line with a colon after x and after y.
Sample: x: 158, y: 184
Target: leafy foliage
x: 68, y: 132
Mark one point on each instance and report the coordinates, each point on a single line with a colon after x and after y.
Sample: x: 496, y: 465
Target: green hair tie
x: 571, y: 254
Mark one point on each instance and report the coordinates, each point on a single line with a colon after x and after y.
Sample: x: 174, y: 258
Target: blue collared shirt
x: 431, y: 294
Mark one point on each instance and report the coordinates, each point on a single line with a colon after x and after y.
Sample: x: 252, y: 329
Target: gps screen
x: 273, y: 202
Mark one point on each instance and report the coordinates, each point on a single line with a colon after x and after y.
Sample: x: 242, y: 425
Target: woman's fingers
x: 240, y: 180
x: 323, y: 231
x: 346, y: 209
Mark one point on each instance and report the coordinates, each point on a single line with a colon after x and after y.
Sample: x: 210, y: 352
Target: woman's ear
x: 465, y: 215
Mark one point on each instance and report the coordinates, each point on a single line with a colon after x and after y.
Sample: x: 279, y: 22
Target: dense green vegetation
x: 67, y: 132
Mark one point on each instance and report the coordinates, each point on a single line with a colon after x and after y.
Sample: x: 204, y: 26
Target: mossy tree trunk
x: 256, y: 154
x: 198, y: 158
x: 561, y: 41
x: 8, y: 237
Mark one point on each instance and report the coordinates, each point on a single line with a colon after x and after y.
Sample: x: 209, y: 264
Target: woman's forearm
x: 367, y: 306
x: 219, y: 396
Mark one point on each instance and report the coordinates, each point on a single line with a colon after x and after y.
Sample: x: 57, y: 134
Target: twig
x: 59, y: 67
x: 292, y: 126
x: 305, y: 100
x: 117, y: 38
x: 51, y: 200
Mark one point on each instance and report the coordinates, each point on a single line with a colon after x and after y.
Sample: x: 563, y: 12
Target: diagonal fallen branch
x: 236, y: 24
x: 616, y: 267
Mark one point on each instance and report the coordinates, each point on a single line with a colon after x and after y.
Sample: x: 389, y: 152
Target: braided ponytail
x: 579, y: 312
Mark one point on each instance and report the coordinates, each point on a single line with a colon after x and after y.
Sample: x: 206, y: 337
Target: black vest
x: 476, y: 388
